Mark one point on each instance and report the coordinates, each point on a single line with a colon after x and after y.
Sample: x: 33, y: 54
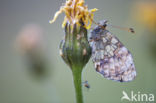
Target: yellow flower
x: 75, y: 11
x: 146, y: 14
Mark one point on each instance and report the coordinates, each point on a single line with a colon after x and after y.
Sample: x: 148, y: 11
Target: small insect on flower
x: 85, y: 83
x: 110, y: 57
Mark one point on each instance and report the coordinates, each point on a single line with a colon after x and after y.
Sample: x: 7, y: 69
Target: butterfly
x: 110, y: 57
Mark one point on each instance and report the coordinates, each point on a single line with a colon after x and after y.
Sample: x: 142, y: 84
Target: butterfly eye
x: 104, y: 25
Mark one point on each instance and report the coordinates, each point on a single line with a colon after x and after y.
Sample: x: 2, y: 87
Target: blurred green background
x: 17, y: 86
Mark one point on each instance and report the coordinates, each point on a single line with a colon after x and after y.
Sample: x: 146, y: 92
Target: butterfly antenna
x: 118, y: 27
x: 123, y: 28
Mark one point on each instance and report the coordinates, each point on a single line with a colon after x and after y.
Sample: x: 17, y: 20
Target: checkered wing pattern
x: 110, y: 57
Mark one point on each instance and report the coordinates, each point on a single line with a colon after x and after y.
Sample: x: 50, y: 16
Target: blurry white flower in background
x: 30, y: 38
x: 30, y: 44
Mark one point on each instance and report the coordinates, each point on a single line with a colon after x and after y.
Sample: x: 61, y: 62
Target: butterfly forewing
x: 111, y: 58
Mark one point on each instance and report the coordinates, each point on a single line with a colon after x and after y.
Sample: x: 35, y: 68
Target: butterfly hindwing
x: 110, y: 57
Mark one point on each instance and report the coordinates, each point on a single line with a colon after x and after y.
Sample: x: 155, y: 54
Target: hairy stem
x: 77, y: 83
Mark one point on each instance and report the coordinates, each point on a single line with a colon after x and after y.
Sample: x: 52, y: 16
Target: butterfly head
x: 97, y: 31
x: 103, y: 23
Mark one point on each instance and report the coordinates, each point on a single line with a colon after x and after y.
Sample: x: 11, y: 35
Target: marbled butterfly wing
x: 110, y: 57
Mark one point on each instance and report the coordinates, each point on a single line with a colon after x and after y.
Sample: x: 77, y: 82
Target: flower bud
x: 74, y: 48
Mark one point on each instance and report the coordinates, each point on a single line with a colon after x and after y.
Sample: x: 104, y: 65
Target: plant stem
x: 77, y: 83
